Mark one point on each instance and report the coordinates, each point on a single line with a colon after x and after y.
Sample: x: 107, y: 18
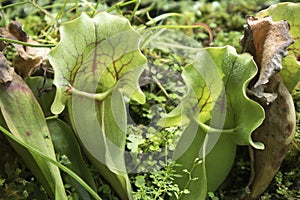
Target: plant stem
x: 61, y: 11
x: 161, y: 87
x: 95, y: 8
x: 26, y: 44
x: 197, y: 161
x: 96, y: 96
x: 200, y: 25
x: 12, y: 5
x: 134, y: 10
x: 208, y: 128
x: 120, y: 4
x: 59, y: 165
x: 52, y: 117
x: 88, y: 4
x: 32, y: 2
x: 161, y: 17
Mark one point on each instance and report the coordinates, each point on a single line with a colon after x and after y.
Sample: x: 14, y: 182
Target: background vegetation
x: 225, y: 18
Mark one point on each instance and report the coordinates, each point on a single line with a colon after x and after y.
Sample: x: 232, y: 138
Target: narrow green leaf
x: 43, y: 91
x: 193, y: 174
x: 290, y: 12
x: 65, y: 144
x: 25, y: 119
x: 47, y: 158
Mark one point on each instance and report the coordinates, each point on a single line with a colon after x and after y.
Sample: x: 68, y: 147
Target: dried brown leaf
x: 276, y: 132
x: 267, y: 41
x: 6, y: 72
x: 29, y: 58
x: 34, y: 59
x: 14, y: 31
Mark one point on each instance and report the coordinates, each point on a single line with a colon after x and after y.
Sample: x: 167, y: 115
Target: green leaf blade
x: 65, y: 144
x: 25, y: 119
